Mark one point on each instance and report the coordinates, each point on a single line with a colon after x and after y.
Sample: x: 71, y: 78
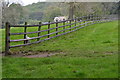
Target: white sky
x: 26, y: 2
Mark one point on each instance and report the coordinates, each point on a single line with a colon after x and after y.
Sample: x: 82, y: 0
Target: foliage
x: 36, y: 16
x: 14, y: 14
x: 51, y: 10
x: 46, y: 11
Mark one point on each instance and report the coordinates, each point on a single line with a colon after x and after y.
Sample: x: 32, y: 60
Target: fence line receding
x: 65, y: 27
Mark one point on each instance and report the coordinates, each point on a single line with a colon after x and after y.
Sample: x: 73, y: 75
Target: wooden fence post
x: 97, y: 19
x: 75, y: 22
x: 79, y: 20
x: 7, y: 38
x: 87, y: 17
x: 57, y: 28
x: 49, y: 30
x: 93, y: 18
x: 84, y: 21
x: 102, y: 18
x: 90, y: 18
x: 70, y: 25
x: 64, y: 26
x: 39, y: 28
x: 25, y: 30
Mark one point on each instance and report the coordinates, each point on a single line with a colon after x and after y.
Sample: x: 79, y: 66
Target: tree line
x: 15, y: 13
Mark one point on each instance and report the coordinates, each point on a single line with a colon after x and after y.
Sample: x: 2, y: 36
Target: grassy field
x: 90, y: 52
x: 0, y: 67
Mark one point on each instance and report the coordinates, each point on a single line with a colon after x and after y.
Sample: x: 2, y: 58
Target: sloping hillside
x: 40, y: 6
x: 90, y: 52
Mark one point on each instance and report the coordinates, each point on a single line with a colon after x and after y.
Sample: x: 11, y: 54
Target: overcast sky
x: 26, y: 2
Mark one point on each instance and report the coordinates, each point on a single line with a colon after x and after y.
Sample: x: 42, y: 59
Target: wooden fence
x: 77, y: 22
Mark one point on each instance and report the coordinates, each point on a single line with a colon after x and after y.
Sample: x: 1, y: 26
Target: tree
x: 5, y: 5
x: 36, y: 16
x: 13, y: 13
x: 71, y: 10
x: 78, y: 8
x: 85, y: 8
x: 51, y: 12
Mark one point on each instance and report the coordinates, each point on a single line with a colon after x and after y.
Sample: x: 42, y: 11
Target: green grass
x: 0, y: 67
x: 90, y: 52
x: 61, y: 67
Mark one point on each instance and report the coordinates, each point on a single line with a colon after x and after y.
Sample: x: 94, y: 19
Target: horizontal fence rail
x: 67, y: 26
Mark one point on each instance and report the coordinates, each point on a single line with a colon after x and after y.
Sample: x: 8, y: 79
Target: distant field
x: 90, y: 52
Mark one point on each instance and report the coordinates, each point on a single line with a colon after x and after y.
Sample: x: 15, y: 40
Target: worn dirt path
x: 34, y: 55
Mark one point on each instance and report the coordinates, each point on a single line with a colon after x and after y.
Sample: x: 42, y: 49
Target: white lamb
x: 27, y: 41
x: 61, y: 18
